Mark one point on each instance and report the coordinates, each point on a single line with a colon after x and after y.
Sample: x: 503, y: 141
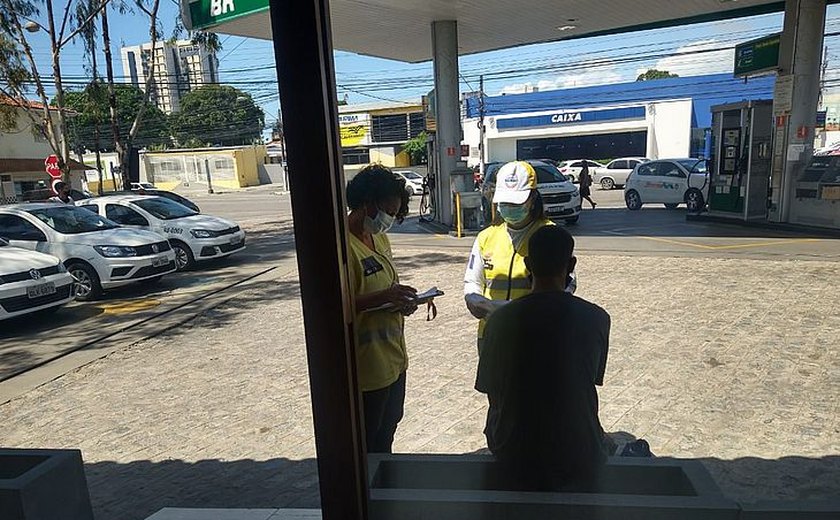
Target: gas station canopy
x: 399, y: 29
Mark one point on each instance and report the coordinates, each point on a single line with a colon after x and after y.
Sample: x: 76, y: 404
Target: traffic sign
x: 53, y: 183
x: 51, y: 166
x: 758, y: 56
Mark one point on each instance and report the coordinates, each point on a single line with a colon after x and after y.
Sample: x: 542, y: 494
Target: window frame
x: 27, y: 222
x: 127, y: 209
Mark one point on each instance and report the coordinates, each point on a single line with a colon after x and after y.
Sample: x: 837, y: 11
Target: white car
x: 142, y: 186
x: 670, y: 182
x: 571, y: 168
x: 31, y: 282
x: 97, y: 252
x: 615, y: 173
x: 193, y: 236
x: 413, y: 181
x: 560, y: 197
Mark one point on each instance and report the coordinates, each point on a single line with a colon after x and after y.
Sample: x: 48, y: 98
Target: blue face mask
x: 514, y: 213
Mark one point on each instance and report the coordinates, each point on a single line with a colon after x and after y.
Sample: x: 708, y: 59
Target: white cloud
x: 587, y: 78
x: 715, y: 62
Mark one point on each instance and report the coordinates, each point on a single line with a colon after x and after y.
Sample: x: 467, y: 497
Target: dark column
x: 305, y: 70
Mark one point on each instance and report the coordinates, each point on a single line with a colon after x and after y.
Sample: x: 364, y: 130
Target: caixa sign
x: 571, y: 118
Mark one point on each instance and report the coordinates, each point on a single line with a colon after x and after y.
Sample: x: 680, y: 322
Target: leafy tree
x: 655, y: 74
x: 217, y: 115
x: 92, y: 106
x: 416, y: 149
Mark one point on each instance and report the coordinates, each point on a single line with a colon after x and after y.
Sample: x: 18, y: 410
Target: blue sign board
x: 571, y: 118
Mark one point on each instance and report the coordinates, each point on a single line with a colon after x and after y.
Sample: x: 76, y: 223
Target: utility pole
x: 481, y: 112
x: 209, y: 182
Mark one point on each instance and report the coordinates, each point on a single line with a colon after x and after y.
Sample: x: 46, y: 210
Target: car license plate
x: 234, y: 240
x: 44, y: 289
x: 159, y: 261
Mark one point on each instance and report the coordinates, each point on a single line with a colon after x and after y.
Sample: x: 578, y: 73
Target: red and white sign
x: 802, y: 132
x: 450, y: 151
x: 53, y: 183
x: 51, y: 166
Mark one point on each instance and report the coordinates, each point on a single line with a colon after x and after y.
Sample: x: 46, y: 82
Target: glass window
x: 355, y: 155
x: 72, y: 220
x: 124, y: 215
x: 13, y: 227
x: 164, y: 209
x: 646, y: 169
x: 578, y: 164
x: 593, y: 164
x: 547, y: 174
x: 389, y: 128
x: 91, y: 207
x: 669, y: 169
x: 618, y: 165
x: 694, y: 165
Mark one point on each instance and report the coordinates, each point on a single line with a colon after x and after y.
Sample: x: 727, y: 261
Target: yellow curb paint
x: 129, y: 307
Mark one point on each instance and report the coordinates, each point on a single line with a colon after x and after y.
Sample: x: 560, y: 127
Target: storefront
x: 655, y: 119
x: 377, y: 132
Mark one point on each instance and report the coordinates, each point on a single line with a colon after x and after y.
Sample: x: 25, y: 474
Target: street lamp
x: 32, y: 26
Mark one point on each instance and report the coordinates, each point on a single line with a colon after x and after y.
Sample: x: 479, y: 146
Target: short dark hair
x: 549, y: 251
x: 373, y: 185
x: 60, y: 185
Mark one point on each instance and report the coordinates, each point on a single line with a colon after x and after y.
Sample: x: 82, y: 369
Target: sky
x: 249, y: 63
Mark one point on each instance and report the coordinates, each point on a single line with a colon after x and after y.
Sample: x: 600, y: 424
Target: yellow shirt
x: 380, y: 343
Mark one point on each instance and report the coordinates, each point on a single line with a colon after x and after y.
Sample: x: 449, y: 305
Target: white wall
x: 669, y: 129
x: 22, y: 143
x: 668, y: 124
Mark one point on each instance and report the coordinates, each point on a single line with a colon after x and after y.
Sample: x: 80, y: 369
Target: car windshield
x: 71, y: 220
x: 694, y: 165
x: 548, y: 174
x: 164, y: 209
x: 412, y: 175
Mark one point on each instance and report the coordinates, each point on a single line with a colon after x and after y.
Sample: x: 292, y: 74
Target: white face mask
x: 381, y: 223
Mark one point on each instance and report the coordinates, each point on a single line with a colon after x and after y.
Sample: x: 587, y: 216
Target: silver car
x: 616, y: 172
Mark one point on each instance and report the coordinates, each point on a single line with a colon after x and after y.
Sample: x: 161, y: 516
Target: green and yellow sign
x: 757, y: 56
x: 204, y: 14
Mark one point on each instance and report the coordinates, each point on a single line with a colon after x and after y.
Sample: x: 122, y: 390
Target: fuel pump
x: 741, y: 155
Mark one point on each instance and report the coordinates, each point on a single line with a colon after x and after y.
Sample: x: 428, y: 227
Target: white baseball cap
x: 514, y: 183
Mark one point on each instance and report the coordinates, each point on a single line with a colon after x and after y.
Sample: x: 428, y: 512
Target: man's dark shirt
x: 541, y: 357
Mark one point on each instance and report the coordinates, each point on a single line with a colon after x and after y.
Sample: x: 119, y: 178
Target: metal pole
x: 209, y: 182
x: 481, y: 129
x: 448, y: 111
x: 303, y: 53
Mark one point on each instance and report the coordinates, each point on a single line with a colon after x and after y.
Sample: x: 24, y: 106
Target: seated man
x: 542, y: 356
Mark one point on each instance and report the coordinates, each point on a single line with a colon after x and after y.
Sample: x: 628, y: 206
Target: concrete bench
x: 43, y: 485
x: 462, y: 487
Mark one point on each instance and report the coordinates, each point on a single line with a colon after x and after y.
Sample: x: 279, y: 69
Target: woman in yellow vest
x: 496, y: 271
x: 377, y: 198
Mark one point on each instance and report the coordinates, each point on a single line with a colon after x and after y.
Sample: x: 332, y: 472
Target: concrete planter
x: 43, y: 485
x: 459, y: 487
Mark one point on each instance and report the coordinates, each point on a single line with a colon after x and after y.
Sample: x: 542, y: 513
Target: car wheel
x: 572, y: 221
x: 633, y: 200
x: 571, y: 178
x: 183, y: 256
x: 671, y: 205
x: 607, y: 183
x: 87, y: 285
x: 694, y: 200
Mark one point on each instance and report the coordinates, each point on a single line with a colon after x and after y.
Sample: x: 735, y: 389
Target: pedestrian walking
x: 585, y: 179
x: 376, y: 199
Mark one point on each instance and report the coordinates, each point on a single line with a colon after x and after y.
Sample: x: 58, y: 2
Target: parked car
x: 615, y: 173
x: 560, y: 197
x: 96, y: 251
x: 670, y: 182
x: 193, y: 236
x: 171, y: 195
x: 571, y: 168
x: 142, y: 186
x: 43, y: 195
x: 413, y: 181
x: 31, y: 282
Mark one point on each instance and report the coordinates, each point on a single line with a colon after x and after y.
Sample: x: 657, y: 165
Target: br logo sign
x: 51, y: 166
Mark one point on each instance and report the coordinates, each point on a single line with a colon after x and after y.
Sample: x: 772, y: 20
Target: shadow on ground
x: 136, y: 490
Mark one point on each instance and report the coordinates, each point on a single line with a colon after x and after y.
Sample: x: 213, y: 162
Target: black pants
x: 383, y: 410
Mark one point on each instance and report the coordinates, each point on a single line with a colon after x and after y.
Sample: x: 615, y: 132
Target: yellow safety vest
x: 505, y: 274
x: 380, y: 341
